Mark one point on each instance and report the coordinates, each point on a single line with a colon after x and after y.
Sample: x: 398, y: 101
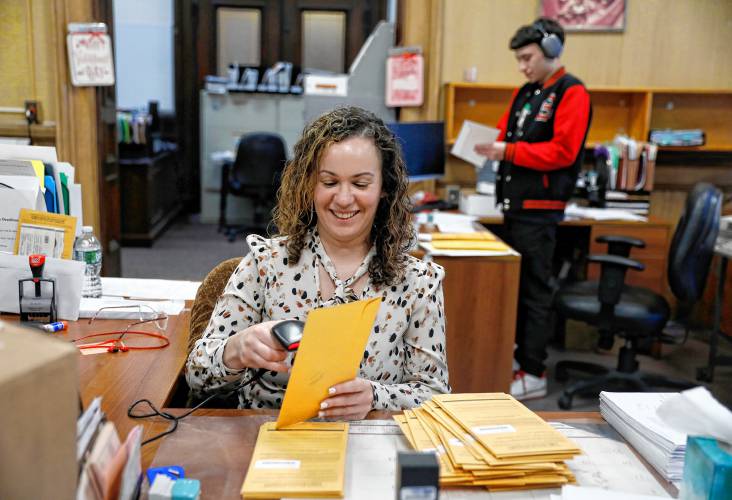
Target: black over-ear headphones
x: 551, y: 44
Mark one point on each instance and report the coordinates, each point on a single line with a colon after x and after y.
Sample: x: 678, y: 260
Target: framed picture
x: 586, y: 15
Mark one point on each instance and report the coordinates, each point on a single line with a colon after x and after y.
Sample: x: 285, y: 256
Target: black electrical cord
x: 167, y: 416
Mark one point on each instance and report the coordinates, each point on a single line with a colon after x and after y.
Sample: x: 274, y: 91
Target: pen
x: 55, y: 327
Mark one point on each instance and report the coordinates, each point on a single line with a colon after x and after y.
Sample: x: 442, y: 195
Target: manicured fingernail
x: 321, y: 414
x: 331, y: 390
x: 323, y: 405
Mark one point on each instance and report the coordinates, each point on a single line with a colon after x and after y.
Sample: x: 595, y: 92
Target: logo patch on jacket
x: 546, y: 108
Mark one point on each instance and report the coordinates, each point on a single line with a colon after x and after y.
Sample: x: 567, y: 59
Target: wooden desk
x: 124, y: 377
x: 216, y: 446
x: 655, y: 232
x: 481, y: 296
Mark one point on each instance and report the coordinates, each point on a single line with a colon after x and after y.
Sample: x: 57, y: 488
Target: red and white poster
x: 586, y: 15
x: 405, y: 80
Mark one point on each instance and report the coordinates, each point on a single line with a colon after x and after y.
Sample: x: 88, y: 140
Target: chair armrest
x: 620, y: 245
x: 612, y: 280
x: 617, y: 261
x: 614, y: 238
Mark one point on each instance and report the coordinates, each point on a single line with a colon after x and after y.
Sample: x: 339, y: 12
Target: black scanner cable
x: 288, y: 333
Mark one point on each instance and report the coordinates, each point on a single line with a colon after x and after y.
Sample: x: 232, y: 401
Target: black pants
x: 535, y: 241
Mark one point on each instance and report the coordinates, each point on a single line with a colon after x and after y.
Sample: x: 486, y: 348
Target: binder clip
x: 37, y: 295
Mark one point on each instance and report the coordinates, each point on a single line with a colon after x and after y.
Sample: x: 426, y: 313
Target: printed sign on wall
x: 90, y: 54
x: 405, y: 79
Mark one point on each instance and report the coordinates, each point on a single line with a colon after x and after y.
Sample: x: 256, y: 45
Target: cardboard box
x: 40, y: 405
x: 481, y: 205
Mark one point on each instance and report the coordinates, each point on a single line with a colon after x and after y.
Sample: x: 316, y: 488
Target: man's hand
x: 492, y: 150
x: 350, y: 400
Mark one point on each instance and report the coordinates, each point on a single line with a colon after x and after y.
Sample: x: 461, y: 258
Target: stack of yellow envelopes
x: 303, y: 460
x: 484, y: 240
x: 489, y: 440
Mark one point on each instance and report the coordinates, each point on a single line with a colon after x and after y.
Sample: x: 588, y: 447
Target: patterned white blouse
x: 405, y: 357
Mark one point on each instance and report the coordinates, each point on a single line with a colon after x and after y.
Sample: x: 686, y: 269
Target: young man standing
x: 540, y: 152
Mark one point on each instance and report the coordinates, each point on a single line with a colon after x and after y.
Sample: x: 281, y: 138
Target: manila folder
x: 305, y: 460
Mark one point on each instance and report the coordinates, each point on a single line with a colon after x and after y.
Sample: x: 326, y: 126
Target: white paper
x: 75, y: 206
x: 471, y: 134
x: 449, y: 222
x: 634, y: 416
x: 570, y: 492
x: 149, y: 289
x: 572, y: 211
x: 90, y: 306
x: 69, y: 276
x: 696, y: 412
x: 15, y: 152
x: 13, y: 200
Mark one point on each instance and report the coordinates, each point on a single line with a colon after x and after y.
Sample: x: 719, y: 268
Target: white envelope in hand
x: 69, y: 276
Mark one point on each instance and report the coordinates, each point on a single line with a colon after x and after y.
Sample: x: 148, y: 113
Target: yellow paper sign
x: 330, y: 353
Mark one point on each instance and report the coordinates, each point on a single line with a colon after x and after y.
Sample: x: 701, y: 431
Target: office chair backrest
x: 259, y: 161
x: 692, y: 246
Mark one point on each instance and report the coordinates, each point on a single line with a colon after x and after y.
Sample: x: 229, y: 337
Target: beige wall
x: 666, y: 43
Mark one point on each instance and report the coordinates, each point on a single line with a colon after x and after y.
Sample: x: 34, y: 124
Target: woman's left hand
x: 350, y: 400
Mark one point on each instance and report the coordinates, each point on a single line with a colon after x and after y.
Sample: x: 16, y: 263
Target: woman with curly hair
x: 344, y: 232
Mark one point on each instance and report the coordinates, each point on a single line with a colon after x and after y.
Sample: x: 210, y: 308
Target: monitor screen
x: 423, y: 148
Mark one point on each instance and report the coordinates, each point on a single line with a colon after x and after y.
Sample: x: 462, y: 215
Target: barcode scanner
x: 289, y: 333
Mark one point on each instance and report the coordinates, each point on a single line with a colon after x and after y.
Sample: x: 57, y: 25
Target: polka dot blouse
x: 405, y: 357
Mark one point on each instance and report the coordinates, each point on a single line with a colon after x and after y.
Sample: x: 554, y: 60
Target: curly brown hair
x: 392, y: 232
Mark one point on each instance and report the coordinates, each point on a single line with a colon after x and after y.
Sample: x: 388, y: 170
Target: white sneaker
x: 527, y: 386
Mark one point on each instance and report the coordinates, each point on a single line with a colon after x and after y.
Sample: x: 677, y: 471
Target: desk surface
x: 203, y: 445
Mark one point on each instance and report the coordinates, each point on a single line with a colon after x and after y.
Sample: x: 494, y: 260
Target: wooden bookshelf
x: 630, y: 111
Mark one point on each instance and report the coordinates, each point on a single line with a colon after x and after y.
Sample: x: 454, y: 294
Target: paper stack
x: 633, y: 415
x: 489, y: 440
x: 466, y: 244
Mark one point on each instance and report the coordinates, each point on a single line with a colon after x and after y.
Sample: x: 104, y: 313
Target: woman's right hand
x: 255, y: 347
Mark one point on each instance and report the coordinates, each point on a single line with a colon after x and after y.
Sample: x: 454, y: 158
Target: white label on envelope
x: 493, y: 429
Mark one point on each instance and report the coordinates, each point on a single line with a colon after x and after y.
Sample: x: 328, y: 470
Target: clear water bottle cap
x: 87, y: 229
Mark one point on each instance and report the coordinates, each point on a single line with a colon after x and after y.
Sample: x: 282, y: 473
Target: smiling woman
x: 344, y: 231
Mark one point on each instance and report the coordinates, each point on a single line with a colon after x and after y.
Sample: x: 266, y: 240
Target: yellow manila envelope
x: 330, y: 353
x: 496, y: 246
x: 476, y: 236
x: 45, y: 233
x: 305, y: 460
x: 506, y: 427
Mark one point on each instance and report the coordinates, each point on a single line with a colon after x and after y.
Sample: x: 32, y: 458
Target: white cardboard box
x: 481, y: 205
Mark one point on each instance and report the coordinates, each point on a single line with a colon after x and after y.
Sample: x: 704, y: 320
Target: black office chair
x: 634, y: 313
x: 255, y: 174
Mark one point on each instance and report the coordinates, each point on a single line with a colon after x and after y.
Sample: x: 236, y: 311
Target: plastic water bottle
x: 87, y: 249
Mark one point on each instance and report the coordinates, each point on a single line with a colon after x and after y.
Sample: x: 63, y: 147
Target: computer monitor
x: 423, y: 148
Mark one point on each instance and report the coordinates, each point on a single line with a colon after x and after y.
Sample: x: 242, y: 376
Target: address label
x: 494, y: 429
x: 277, y: 464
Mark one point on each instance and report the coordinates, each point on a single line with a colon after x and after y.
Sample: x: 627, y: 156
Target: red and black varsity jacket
x: 545, y: 130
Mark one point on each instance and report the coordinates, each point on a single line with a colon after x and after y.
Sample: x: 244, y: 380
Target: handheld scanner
x: 289, y: 333
x: 36, y: 262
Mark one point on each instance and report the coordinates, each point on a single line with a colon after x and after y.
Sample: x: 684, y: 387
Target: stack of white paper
x: 634, y: 416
